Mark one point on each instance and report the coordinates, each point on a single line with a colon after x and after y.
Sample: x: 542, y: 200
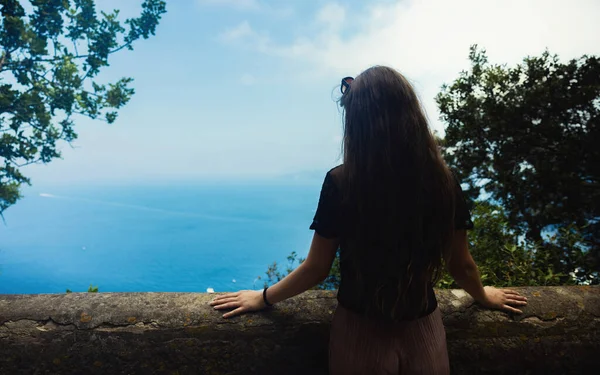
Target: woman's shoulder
x: 334, y: 176
x: 336, y: 172
x: 332, y: 181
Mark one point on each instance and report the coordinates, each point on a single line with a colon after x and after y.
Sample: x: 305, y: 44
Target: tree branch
x: 3, y: 59
x: 37, y: 161
x: 77, y: 56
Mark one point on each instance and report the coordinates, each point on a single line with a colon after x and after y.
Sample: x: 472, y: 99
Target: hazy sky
x: 247, y: 88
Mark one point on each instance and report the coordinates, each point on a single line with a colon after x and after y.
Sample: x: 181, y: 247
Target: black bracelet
x: 265, y: 297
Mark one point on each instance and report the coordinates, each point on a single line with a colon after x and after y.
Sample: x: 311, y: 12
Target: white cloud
x: 248, y: 79
x: 235, y: 4
x: 281, y: 10
x: 332, y: 16
x: 428, y: 40
x: 241, y: 31
x: 246, y: 35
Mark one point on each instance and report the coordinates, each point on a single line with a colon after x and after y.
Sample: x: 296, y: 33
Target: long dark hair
x: 397, y: 188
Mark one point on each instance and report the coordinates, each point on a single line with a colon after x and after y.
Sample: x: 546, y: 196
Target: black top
x: 327, y: 222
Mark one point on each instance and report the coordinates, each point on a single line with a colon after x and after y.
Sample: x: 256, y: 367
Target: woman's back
x: 392, y: 204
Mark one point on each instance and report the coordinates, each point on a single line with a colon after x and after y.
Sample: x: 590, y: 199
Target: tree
x: 505, y: 258
x: 528, y: 136
x: 49, y: 63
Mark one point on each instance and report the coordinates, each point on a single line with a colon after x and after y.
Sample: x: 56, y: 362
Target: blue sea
x: 178, y: 238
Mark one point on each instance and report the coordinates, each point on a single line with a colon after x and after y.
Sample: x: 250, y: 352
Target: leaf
x: 51, y: 82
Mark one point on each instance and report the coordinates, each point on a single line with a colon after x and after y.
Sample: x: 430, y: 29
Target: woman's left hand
x: 240, y: 302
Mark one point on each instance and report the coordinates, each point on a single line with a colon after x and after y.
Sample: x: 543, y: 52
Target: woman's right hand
x: 503, y: 299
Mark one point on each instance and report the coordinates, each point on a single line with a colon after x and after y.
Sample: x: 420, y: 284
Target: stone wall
x: 178, y: 333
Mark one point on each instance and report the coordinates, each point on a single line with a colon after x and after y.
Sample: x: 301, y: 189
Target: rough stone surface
x: 179, y: 333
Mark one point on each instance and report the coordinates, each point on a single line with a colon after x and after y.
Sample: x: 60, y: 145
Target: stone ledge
x: 178, y: 333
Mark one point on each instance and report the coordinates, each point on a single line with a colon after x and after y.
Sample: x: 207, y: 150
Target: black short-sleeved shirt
x: 328, y: 223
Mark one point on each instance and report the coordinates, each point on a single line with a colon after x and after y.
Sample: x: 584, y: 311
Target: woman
x: 397, y: 214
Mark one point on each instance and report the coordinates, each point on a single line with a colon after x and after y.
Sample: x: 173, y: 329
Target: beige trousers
x: 362, y: 346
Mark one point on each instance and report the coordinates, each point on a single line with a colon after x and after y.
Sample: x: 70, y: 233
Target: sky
x: 247, y: 89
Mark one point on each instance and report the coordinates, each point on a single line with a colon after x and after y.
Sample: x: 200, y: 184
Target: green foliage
x: 528, y: 136
x: 332, y: 281
x: 504, y: 256
x: 274, y: 275
x: 49, y: 62
x: 91, y: 289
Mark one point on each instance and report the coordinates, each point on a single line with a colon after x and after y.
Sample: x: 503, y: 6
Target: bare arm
x: 311, y: 272
x: 462, y: 268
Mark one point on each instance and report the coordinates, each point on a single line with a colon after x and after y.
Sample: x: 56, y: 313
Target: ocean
x: 159, y: 238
